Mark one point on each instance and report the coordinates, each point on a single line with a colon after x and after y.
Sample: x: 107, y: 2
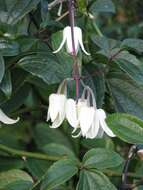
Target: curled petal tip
x: 56, y: 51
x: 7, y: 120
x: 76, y: 136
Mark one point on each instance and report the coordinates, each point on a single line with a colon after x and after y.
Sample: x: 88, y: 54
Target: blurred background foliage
x: 30, y: 72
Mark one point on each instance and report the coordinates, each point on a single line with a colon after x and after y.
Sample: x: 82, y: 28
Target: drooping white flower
x: 73, y: 111
x: 56, y: 111
x: 67, y: 38
x: 7, y: 120
x: 86, y: 117
x: 101, y: 116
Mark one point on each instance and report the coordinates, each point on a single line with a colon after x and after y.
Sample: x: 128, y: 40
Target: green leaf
x: 58, y: 150
x: 94, y: 180
x: 105, y: 142
x: 17, y: 99
x: 102, y: 6
x: 46, y: 66
x: 133, y: 44
x: 2, y: 68
x: 15, y: 180
x: 6, y: 85
x: 8, y: 163
x: 96, y: 81
x: 101, y: 158
x: 8, y: 47
x: 45, y: 135
x: 127, y: 127
x: 104, y: 43
x: 36, y: 167
x: 127, y: 95
x: 60, y: 172
x: 16, y: 10
x: 131, y: 65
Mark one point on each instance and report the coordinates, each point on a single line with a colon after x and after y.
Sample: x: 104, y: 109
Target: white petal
x: 75, y: 136
x: 86, y: 118
x: 69, y: 40
x: 63, y: 41
x: 100, y: 133
x: 71, y: 113
x: 48, y: 115
x: 94, y: 130
x: 81, y: 42
x: 76, y: 37
x: 56, y: 105
x: 58, y: 121
x: 6, y: 120
x: 102, y: 117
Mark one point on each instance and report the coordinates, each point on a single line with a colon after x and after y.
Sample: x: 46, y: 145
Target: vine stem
x: 21, y: 153
x: 75, y: 67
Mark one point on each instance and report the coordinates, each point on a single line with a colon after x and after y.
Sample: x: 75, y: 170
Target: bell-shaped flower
x: 73, y: 111
x: 86, y: 117
x: 7, y: 120
x: 101, y: 117
x: 67, y: 38
x: 56, y: 111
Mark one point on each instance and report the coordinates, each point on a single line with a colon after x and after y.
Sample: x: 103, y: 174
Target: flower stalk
x: 76, y: 75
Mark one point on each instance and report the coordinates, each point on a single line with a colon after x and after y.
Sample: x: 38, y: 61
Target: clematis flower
x: 86, y: 117
x: 56, y: 111
x: 73, y: 111
x: 67, y: 38
x: 7, y: 120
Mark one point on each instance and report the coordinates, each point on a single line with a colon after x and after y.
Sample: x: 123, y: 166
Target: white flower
x: 56, y: 111
x: 73, y: 111
x: 67, y: 38
x: 89, y: 119
x: 101, y: 116
x: 99, y: 126
x: 6, y: 120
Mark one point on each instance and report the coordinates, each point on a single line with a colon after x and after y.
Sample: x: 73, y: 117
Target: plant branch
x: 22, y: 153
x: 111, y: 173
x: 74, y: 55
x: 54, y: 3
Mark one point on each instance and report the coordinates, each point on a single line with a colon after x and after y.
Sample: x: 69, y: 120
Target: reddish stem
x: 75, y: 67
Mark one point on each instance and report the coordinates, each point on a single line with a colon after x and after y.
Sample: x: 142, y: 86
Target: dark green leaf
x: 57, y: 150
x: 104, y: 43
x: 7, y: 163
x: 17, y: 99
x: 8, y: 47
x: 94, y: 77
x: 94, y: 180
x: 134, y: 44
x: 127, y: 127
x: 60, y: 172
x: 15, y: 180
x: 6, y: 85
x: 127, y: 95
x: 101, y: 158
x: 37, y: 167
x: 16, y: 10
x: 46, y: 66
x: 102, y: 6
x: 131, y: 65
x: 45, y: 135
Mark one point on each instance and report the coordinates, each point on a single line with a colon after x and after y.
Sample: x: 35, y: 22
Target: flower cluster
x: 82, y: 115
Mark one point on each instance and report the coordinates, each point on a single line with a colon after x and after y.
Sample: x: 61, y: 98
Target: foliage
x: 33, y: 156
